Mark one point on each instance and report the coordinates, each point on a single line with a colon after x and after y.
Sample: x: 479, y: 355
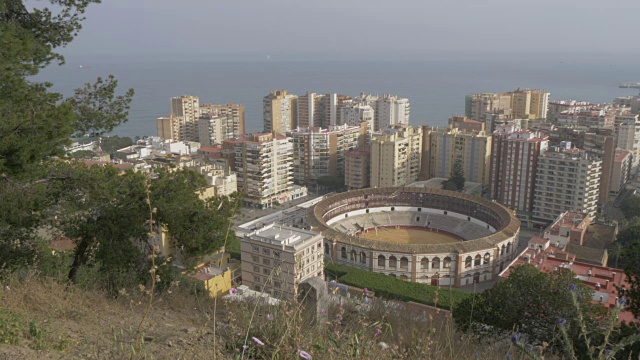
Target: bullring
x: 472, y: 239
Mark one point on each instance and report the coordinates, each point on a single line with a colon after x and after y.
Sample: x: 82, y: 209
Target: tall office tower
x: 187, y: 107
x: 396, y: 156
x: 264, y: 166
x: 529, y: 104
x: 567, y: 179
x: 211, y: 130
x: 478, y: 105
x: 353, y: 114
x: 357, y: 168
x: 319, y: 152
x: 473, y: 148
x: 389, y: 110
x: 232, y: 114
x: 280, y: 112
x: 276, y: 259
x: 514, y: 161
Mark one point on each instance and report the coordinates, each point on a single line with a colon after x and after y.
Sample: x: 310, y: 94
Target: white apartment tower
x: 389, y: 110
x: 396, y: 156
x: 280, y: 112
x: 629, y: 139
x: 566, y: 180
x: 211, y: 130
x: 264, y: 166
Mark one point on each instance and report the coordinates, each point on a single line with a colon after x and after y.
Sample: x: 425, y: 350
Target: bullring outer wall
x: 436, y: 264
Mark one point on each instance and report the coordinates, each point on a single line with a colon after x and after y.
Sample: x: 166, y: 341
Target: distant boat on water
x: 83, y: 67
x: 630, y: 85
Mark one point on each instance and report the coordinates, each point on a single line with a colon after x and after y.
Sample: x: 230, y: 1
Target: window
x: 487, y: 258
x: 326, y: 249
x: 363, y: 258
x: 419, y: 209
x: 435, y: 263
x: 256, y: 268
x: 446, y: 263
x: 255, y: 249
x: 276, y: 254
x: 266, y: 271
x: 343, y: 252
x: 255, y: 258
x: 424, y: 264
x: 467, y: 262
x: 353, y: 255
x: 418, y: 218
x: 477, y: 260
x: 393, y: 262
x: 266, y: 261
x: 367, y: 211
x: 393, y: 208
x: 266, y: 251
x: 381, y: 260
x: 276, y: 284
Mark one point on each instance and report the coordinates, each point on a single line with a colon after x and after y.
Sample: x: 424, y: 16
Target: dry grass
x: 86, y: 324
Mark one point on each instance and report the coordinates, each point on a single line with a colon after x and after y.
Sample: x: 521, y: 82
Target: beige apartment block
x: 620, y: 172
x: 264, y: 166
x: 529, y: 104
x: 396, y: 156
x: 319, y: 152
x: 233, y: 115
x: 280, y: 112
x: 211, y: 130
x: 276, y: 259
x: 175, y: 128
x: 357, y: 164
x: 473, y: 148
x: 567, y: 179
x: 187, y: 107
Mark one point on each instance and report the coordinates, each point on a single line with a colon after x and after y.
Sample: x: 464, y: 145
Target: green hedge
x: 391, y: 288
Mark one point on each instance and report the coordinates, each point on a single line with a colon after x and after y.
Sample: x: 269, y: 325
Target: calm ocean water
x: 436, y: 89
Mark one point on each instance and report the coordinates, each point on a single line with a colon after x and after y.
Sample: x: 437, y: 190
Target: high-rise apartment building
x: 280, y: 112
x: 529, y: 104
x: 619, y: 172
x: 320, y: 110
x: 264, y: 166
x: 389, y: 109
x: 514, y: 162
x: 232, y: 115
x: 629, y: 139
x: 175, y: 128
x: 277, y: 258
x: 567, y: 179
x: 357, y: 164
x: 353, y: 114
x: 518, y: 104
x: 396, y: 156
x: 211, y: 130
x: 319, y: 152
x: 473, y: 148
x: 187, y: 109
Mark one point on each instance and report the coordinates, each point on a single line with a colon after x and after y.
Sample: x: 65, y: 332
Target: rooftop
x: 281, y: 235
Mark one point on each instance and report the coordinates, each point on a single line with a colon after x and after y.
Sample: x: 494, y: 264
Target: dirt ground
x: 409, y: 236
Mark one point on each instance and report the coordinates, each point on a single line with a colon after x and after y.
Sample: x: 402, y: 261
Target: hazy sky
x: 356, y: 28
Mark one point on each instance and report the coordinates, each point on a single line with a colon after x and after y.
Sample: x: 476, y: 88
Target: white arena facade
x: 425, y: 235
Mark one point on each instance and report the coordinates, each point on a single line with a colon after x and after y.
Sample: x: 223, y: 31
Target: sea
x: 436, y: 88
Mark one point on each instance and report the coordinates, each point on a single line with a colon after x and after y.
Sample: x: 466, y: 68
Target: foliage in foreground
x: 552, y: 310
x: 394, y: 289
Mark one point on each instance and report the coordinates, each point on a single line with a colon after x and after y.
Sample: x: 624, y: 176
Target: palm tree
x: 615, y: 250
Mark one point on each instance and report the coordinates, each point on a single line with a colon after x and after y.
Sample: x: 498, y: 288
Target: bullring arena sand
x: 408, y: 236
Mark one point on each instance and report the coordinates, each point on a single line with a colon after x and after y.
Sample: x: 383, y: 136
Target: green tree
x: 630, y: 207
x: 112, y: 144
x: 456, y: 178
x: 631, y: 293
x: 528, y: 301
x: 83, y: 154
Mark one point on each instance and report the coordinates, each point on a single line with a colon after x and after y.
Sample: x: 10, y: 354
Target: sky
x: 358, y: 29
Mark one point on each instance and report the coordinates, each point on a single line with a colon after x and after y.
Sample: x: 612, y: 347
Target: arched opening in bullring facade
x: 502, y: 250
x: 327, y: 249
x: 363, y: 257
x: 393, y: 262
x: 446, y: 263
x: 509, y: 248
x: 343, y: 252
x: 477, y: 260
x: 354, y: 255
x: 467, y: 262
x: 476, y: 278
x: 435, y: 263
x: 487, y: 259
x: 382, y: 260
x: 404, y: 263
x: 424, y: 264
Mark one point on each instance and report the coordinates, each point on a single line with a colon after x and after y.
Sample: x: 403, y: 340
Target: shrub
x: 10, y: 327
x: 395, y: 289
